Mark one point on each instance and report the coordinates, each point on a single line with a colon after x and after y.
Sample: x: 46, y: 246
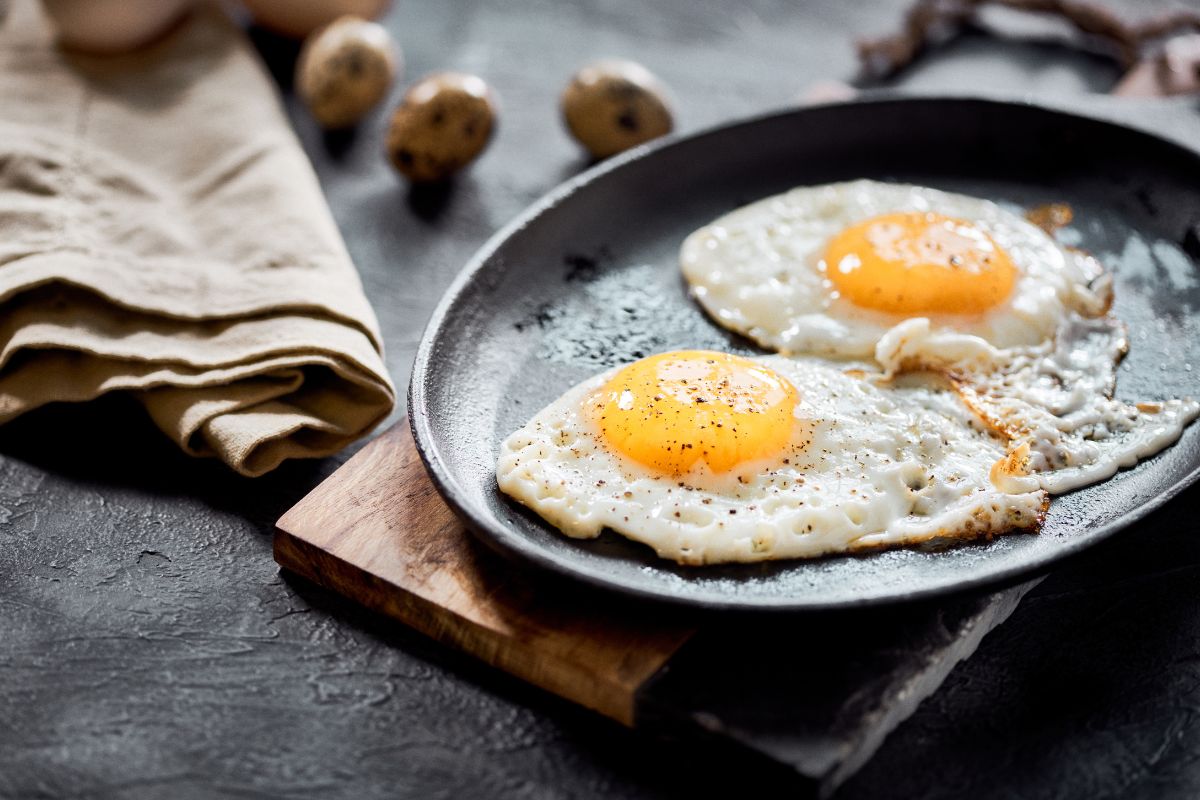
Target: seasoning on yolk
x: 669, y: 411
x: 919, y: 263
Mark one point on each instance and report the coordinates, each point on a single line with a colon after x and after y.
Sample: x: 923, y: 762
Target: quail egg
x: 613, y: 105
x: 346, y: 69
x: 443, y: 123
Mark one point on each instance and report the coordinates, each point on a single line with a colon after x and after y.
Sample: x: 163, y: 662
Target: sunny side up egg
x: 927, y: 280
x: 708, y: 457
x: 830, y: 269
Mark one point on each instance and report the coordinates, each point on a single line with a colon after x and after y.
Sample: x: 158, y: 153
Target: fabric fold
x: 163, y: 234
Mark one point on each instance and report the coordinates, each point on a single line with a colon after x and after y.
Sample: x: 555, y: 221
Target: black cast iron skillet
x: 587, y: 278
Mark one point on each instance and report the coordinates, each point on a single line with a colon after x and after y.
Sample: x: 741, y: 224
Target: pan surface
x: 587, y: 278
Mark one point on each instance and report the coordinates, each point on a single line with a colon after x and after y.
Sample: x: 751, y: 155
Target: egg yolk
x: 919, y: 263
x: 668, y: 411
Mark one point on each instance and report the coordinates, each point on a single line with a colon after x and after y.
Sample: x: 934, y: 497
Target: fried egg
x: 830, y: 269
x: 709, y: 457
x: 1055, y: 400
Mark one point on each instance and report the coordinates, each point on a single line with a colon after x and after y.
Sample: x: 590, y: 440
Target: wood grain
x: 378, y: 532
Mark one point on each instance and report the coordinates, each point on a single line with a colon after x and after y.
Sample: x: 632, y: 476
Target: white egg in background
x: 110, y: 27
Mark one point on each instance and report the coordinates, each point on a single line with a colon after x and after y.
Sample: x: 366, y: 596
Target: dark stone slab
x: 818, y: 693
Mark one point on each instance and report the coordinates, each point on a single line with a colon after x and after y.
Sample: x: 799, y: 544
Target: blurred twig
x: 931, y: 22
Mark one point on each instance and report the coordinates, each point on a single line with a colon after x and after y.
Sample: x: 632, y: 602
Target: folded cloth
x: 162, y: 234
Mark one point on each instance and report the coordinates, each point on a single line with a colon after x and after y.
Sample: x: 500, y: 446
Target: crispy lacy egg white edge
x: 1053, y: 428
x: 1158, y: 425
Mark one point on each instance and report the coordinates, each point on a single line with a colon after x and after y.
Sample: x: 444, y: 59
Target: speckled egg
x: 613, y: 105
x: 346, y: 69
x: 443, y: 123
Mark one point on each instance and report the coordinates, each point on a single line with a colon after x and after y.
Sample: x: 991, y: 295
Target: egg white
x: 867, y: 467
x: 1057, y: 398
x: 758, y: 271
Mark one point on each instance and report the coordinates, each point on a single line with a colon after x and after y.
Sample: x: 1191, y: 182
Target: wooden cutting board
x: 817, y: 693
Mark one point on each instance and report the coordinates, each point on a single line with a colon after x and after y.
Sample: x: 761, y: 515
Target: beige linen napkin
x: 161, y: 233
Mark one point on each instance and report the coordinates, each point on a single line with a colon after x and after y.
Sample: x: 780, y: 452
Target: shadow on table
x: 110, y: 442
